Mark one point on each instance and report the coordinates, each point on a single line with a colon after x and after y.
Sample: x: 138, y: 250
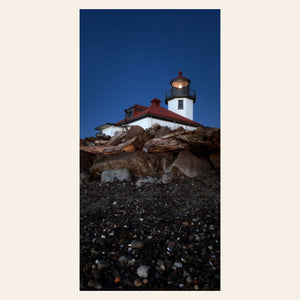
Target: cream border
x: 40, y: 130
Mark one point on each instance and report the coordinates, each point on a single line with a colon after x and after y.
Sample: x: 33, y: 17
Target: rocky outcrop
x: 204, y: 140
x: 138, y: 151
x: 139, y: 163
x: 189, y: 165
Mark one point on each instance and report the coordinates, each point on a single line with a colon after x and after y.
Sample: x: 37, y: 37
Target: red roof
x: 155, y: 110
x: 138, y: 107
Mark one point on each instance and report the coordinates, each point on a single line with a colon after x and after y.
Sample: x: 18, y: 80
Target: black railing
x: 189, y: 93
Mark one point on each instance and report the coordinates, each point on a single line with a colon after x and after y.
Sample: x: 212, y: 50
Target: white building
x: 180, y: 100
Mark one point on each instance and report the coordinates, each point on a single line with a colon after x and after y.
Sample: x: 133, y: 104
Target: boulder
x: 102, y: 136
x: 134, y: 131
x: 88, y: 140
x: 129, y: 148
x: 139, y: 163
x: 84, y: 177
x: 93, y: 149
x: 179, y: 129
x: 153, y: 129
x: 146, y: 180
x: 119, y: 147
x: 165, y: 162
x: 162, y: 132
x: 203, y: 140
x: 115, y: 175
x: 167, y: 178
x: 166, y: 143
x: 116, y: 139
x: 86, y: 160
x: 189, y: 165
x: 215, y: 159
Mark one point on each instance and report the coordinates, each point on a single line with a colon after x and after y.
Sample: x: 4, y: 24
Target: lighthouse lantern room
x: 181, y: 98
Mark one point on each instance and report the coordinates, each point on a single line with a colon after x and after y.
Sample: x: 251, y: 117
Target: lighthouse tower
x: 181, y: 98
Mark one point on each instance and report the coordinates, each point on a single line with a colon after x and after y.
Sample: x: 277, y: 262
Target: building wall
x: 111, y: 130
x: 187, y: 110
x: 145, y: 123
x: 148, y: 122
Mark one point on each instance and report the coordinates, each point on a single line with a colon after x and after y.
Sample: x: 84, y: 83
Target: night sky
x: 128, y: 57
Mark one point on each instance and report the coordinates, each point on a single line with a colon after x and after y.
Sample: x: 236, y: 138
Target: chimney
x: 155, y: 102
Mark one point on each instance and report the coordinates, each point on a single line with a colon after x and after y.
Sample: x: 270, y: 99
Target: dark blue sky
x: 128, y: 57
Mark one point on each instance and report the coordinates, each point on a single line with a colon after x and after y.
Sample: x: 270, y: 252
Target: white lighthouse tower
x: 181, y: 98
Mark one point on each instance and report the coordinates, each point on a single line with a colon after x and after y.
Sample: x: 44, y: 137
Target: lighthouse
x: 180, y: 99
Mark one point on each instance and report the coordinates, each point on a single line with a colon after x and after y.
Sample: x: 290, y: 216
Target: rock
x: 153, y: 129
x: 134, y: 131
x: 215, y: 159
x: 93, y: 149
x: 115, y: 175
x: 137, y: 244
x: 179, y: 129
x: 139, y: 163
x: 129, y: 148
x: 165, y: 163
x: 145, y: 180
x: 167, y: 178
x: 116, y: 139
x: 189, y: 280
x: 122, y: 259
x: 102, y: 136
x: 142, y: 271
x: 84, y: 177
x: 120, y: 147
x: 138, y: 282
x: 96, y: 274
x: 95, y: 284
x: 88, y: 141
x: 86, y: 160
x: 166, y: 143
x: 177, y: 265
x: 162, y: 132
x: 189, y: 165
x: 102, y: 265
x: 131, y: 262
x: 203, y: 140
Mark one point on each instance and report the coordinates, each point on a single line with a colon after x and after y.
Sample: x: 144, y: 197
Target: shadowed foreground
x: 155, y: 237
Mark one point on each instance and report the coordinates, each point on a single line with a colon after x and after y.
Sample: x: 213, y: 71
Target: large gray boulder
x: 115, y: 175
x: 189, y: 165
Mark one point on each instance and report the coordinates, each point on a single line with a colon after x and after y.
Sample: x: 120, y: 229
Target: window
x: 129, y: 114
x: 180, y: 104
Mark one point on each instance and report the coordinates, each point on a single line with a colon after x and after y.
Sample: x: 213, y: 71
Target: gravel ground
x: 156, y: 237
